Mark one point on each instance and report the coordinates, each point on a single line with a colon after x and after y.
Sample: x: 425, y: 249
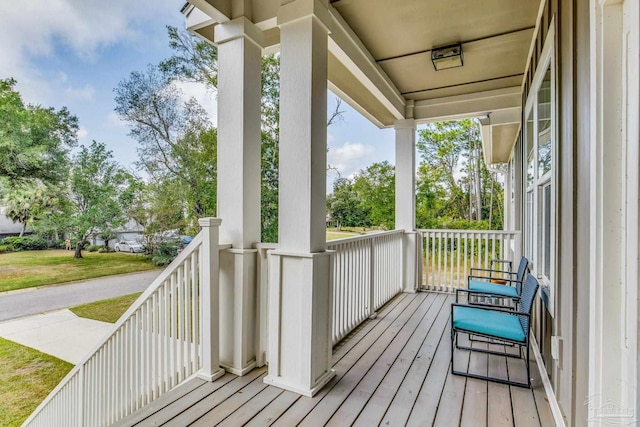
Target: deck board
x: 418, y: 352
x: 393, y: 370
x: 499, y: 410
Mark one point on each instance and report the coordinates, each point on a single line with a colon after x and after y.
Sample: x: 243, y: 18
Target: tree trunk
x: 491, y: 203
x: 24, y: 228
x: 78, y: 253
x: 478, y: 185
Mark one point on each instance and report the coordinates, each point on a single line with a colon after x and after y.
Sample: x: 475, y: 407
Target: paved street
x: 34, y: 301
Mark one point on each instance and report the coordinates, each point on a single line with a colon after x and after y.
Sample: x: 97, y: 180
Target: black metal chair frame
x: 492, y: 340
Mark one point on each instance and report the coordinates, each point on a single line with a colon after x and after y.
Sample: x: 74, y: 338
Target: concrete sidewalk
x: 59, y: 333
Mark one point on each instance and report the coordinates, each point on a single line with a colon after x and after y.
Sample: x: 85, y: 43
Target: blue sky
x: 74, y: 52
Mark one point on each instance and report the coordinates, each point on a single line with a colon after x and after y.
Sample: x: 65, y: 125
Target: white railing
x: 448, y: 255
x: 156, y: 345
x: 367, y: 272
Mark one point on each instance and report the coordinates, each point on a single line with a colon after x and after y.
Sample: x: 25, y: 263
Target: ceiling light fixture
x: 447, y: 57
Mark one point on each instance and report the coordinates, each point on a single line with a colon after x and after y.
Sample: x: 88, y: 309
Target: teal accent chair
x: 480, y: 283
x: 498, y: 325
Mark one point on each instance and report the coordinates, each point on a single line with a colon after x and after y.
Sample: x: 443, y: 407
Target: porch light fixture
x: 447, y: 57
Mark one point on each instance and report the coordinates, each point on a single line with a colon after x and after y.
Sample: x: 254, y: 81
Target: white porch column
x: 406, y: 200
x: 239, y: 90
x: 300, y: 271
x: 615, y: 158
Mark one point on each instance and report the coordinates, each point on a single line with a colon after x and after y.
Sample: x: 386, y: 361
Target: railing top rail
x: 461, y: 231
x: 367, y: 236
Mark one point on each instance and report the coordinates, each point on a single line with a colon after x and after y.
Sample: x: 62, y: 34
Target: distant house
x: 129, y: 231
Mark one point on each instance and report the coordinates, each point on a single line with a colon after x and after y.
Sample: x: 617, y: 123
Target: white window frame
x: 534, y: 243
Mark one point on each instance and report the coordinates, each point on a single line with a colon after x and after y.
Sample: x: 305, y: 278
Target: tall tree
x: 34, y: 141
x: 176, y: 140
x: 452, y: 169
x: 98, y: 193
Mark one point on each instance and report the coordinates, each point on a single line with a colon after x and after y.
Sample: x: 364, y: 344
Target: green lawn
x: 26, y: 378
x: 108, y: 310
x: 37, y: 268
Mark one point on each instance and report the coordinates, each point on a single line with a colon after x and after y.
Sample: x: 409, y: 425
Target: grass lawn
x: 37, y: 268
x: 26, y: 378
x: 333, y: 235
x: 108, y: 310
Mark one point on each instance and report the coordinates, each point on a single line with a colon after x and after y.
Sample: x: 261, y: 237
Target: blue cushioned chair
x: 497, y: 324
x: 480, y: 283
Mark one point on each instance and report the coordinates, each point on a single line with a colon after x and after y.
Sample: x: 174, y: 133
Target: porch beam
x: 349, y: 50
x: 507, y: 101
x: 218, y: 10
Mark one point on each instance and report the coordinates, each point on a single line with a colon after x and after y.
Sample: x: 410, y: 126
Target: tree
x: 344, y: 206
x: 375, y: 187
x: 176, y: 140
x: 98, y: 193
x: 453, y: 181
x: 28, y: 203
x: 156, y: 207
x: 34, y: 141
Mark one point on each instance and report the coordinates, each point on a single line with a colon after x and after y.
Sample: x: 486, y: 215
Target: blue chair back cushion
x: 486, y: 322
x: 493, y: 288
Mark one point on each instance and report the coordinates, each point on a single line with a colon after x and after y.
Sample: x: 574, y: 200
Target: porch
x: 392, y: 370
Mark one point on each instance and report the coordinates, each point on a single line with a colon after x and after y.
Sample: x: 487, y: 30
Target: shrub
x: 26, y: 243
x: 6, y: 248
x: 95, y: 248
x: 165, y: 253
x: 101, y: 249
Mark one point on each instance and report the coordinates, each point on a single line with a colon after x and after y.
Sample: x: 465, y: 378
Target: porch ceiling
x: 495, y: 37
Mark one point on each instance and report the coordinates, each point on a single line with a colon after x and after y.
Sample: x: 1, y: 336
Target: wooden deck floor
x: 392, y: 371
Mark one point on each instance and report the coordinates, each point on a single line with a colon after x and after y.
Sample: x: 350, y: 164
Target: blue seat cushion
x: 493, y: 288
x: 487, y: 322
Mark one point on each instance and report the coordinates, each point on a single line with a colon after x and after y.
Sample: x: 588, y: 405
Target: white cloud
x: 29, y: 29
x: 114, y: 120
x: 82, y: 133
x: 84, y: 93
x: 350, y: 157
x: 205, y: 97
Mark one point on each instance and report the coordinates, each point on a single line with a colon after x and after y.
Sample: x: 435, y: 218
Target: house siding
x: 569, y: 375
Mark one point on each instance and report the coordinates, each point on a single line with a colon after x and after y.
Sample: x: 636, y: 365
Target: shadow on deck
x: 391, y: 371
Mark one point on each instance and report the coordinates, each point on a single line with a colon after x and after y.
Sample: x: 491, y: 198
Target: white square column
x: 300, y: 271
x: 406, y: 201
x: 239, y: 95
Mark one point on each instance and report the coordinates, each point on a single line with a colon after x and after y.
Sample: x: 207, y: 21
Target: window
x: 539, y: 169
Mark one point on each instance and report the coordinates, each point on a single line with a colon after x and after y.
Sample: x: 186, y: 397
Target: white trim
x: 534, y: 37
x: 548, y: 388
x: 547, y: 60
